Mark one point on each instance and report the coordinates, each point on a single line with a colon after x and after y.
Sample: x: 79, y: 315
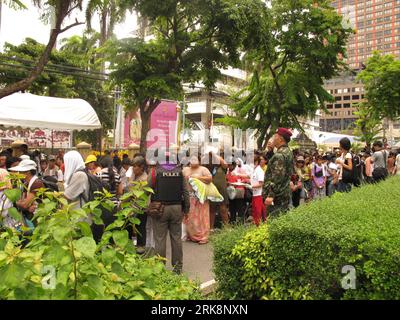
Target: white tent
x: 330, y: 138
x: 26, y: 110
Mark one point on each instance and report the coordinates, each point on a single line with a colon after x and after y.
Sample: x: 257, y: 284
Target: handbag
x: 248, y: 194
x: 155, y: 209
x: 348, y: 175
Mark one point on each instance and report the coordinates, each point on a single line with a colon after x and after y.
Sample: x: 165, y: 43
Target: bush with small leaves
x: 313, y: 244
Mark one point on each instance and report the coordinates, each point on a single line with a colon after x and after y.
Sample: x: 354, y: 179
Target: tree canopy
x: 72, y: 72
x: 368, y: 125
x: 302, y: 45
x: 62, y: 9
x: 191, y: 41
x: 381, y: 79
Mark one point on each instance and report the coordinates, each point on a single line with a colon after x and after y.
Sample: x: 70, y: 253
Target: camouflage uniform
x: 277, y: 181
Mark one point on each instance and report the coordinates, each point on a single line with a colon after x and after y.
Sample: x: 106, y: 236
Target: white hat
x: 25, y: 157
x: 25, y: 165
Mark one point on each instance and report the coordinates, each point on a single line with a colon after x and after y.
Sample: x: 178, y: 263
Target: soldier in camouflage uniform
x: 279, y: 172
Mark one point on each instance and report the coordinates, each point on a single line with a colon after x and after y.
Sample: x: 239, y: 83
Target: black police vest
x: 168, y: 185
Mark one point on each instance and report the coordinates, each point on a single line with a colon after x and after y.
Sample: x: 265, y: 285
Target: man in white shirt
x: 52, y: 170
x: 379, y: 159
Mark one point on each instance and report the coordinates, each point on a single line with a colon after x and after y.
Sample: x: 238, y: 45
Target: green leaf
x: 149, y: 292
x: 148, y: 189
x: 60, y: 233
x: 86, y: 246
x: 115, y: 224
x: 134, y: 221
x: 118, y: 269
x: 93, y: 204
x: 85, y: 229
x: 15, y: 214
x: 121, y: 238
x: 96, y: 217
x: 138, y: 193
x: 3, y: 243
x: 108, y: 205
x: 108, y: 256
x: 13, y: 194
x: 13, y: 275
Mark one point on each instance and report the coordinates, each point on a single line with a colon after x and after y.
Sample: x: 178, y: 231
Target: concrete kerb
x: 208, y: 287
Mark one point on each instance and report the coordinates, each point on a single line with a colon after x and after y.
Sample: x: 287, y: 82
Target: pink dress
x: 198, y: 220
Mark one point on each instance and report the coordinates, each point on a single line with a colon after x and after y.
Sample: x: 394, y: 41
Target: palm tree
x: 110, y: 13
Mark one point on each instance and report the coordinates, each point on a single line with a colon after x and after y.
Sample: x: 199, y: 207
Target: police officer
x: 171, y: 189
x: 279, y: 171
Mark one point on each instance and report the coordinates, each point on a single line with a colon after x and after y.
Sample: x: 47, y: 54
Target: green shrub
x: 241, y: 266
x: 252, y: 255
x: 226, y: 270
x: 310, y: 245
x: 60, y: 260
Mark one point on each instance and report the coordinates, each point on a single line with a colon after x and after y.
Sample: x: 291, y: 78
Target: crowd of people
x: 192, y: 196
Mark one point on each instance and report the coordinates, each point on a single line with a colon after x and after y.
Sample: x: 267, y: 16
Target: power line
x: 50, y: 64
x: 47, y: 70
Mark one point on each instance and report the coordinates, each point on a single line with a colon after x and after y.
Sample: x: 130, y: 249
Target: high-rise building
x: 377, y: 27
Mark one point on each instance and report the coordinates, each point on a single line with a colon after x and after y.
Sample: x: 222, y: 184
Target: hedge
x: 311, y: 245
x: 241, y: 265
x: 301, y: 255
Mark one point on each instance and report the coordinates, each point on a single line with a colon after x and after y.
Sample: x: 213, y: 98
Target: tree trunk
x: 103, y: 35
x: 146, y: 110
x: 146, y: 120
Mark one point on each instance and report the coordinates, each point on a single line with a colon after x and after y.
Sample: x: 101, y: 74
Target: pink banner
x: 164, y: 126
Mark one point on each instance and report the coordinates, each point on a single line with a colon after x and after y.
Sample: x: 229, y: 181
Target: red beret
x: 286, y: 133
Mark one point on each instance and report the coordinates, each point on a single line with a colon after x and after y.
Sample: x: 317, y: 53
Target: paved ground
x: 197, y: 260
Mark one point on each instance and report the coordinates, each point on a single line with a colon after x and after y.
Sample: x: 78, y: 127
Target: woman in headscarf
x: 198, y: 219
x: 76, y: 182
x: 243, y: 171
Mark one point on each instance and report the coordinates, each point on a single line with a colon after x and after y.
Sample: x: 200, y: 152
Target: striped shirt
x: 104, y: 176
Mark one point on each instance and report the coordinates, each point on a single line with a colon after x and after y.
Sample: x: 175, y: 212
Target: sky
x: 16, y: 25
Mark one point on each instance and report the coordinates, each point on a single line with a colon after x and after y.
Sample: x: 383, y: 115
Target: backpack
x: 318, y: 174
x: 95, y: 185
x: 352, y: 176
x: 50, y: 183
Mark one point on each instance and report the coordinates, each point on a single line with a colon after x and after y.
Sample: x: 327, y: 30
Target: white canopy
x: 322, y: 137
x: 26, y: 110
